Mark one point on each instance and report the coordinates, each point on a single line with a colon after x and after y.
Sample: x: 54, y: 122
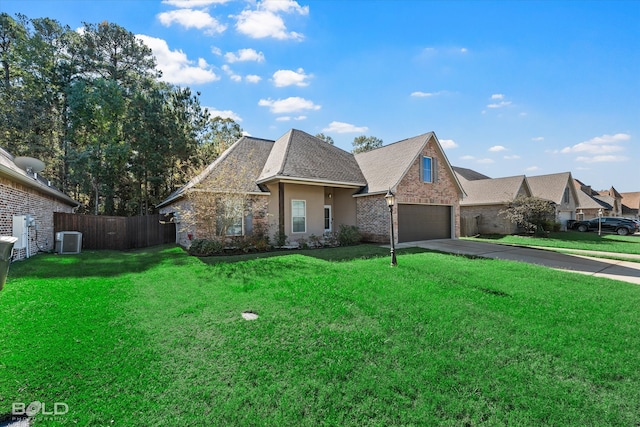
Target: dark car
x: 622, y: 226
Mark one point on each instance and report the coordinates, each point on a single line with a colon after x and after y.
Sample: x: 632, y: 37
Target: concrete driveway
x: 599, y: 267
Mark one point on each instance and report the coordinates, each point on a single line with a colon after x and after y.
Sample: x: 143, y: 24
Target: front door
x: 327, y: 219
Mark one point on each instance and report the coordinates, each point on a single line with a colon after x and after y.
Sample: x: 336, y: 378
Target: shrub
x: 281, y: 239
x: 205, y: 247
x: 349, y: 235
x: 315, y: 241
x: 302, y: 243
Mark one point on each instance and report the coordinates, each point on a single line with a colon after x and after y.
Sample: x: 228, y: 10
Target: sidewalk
x: 625, y: 271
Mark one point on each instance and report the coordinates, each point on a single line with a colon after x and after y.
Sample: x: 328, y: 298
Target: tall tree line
x: 91, y: 105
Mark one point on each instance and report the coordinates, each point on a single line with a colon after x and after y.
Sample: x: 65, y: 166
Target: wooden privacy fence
x: 117, y: 232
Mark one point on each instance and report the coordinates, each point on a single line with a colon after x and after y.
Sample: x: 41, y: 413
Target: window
x: 565, y: 197
x: 298, y: 216
x: 327, y: 217
x: 429, y: 169
x: 230, y: 215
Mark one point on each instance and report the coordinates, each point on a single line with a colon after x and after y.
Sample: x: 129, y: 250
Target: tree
x: 325, y: 138
x: 530, y: 213
x: 365, y: 143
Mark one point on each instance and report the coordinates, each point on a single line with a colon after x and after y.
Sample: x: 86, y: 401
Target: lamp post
x: 391, y: 200
x: 600, y: 222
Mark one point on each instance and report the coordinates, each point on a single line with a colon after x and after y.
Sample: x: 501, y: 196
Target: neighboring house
x: 612, y: 198
x: 560, y: 189
x: 301, y: 186
x: 590, y: 202
x: 485, y: 199
x: 631, y: 204
x: 26, y: 196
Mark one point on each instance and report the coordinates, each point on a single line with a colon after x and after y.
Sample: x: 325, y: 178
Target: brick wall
x: 489, y: 220
x: 191, y: 224
x: 372, y: 218
x: 18, y: 199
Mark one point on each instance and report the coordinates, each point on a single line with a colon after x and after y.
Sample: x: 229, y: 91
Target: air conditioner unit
x: 68, y: 242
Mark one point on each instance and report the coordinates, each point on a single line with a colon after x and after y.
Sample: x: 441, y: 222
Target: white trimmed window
x: 298, y: 216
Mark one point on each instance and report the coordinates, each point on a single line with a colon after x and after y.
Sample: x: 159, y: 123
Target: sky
x: 509, y: 87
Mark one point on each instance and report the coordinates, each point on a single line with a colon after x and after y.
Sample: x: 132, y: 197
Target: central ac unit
x: 68, y: 242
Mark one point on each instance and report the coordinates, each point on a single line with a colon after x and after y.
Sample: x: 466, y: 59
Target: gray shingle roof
x: 551, y: 187
x: 469, y: 174
x: 236, y: 169
x: 385, y: 167
x: 299, y: 156
x: 586, y: 200
x: 493, y: 191
x: 13, y: 172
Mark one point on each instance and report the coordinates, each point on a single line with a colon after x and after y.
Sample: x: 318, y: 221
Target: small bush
x: 281, y: 239
x: 302, y: 243
x: 315, y: 241
x: 349, y: 235
x: 205, y: 247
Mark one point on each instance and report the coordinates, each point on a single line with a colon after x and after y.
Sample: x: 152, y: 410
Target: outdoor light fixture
x: 391, y: 200
x: 600, y: 222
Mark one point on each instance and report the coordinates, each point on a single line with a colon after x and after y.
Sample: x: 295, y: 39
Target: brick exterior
x: 198, y: 228
x: 373, y: 213
x: 486, y: 220
x: 18, y: 199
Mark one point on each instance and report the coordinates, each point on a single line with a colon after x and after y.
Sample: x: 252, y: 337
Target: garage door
x: 423, y: 222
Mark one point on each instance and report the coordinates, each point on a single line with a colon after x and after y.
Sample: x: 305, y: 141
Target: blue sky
x: 509, y: 87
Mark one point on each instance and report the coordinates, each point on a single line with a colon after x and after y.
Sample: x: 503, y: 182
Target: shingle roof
x: 493, y: 191
x: 469, y: 174
x: 385, y: 167
x: 630, y: 201
x: 550, y: 187
x: 299, y: 156
x: 12, y: 171
x: 236, y: 169
x: 586, y: 198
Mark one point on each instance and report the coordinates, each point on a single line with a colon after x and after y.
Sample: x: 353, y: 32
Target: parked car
x: 622, y: 226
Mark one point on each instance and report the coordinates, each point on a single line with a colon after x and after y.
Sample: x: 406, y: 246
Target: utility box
x: 6, y: 250
x: 21, y: 224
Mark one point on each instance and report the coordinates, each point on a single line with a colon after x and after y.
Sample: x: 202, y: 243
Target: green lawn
x: 155, y: 337
x: 573, y: 240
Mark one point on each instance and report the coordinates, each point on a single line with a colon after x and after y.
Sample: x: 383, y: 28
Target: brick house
x: 302, y: 186
x: 24, y: 193
x: 485, y: 199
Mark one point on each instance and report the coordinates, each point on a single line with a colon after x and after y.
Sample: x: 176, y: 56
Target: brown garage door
x: 423, y: 222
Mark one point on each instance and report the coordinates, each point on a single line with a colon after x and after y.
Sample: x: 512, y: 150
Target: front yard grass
x: 573, y: 240
x: 155, y: 337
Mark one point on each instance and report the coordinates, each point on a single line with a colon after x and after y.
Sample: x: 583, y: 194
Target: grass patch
x: 155, y: 337
x: 572, y: 240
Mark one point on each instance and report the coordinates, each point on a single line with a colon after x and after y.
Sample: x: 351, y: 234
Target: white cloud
x: 252, y: 78
x: 283, y: 119
x: 233, y: 76
x: 485, y: 161
x: 299, y: 118
x: 225, y: 114
x: 467, y: 157
x: 602, y: 159
x: 600, y: 145
x: 499, y: 104
x: 532, y: 169
x: 497, y: 148
x: 216, y: 50
x: 190, y: 18
x: 538, y: 138
x: 419, y: 94
x: 193, y: 3
x: 288, y: 105
x: 266, y: 20
x: 341, y: 127
x: 282, y: 78
x: 497, y: 96
x: 512, y: 157
x: 464, y: 50
x: 175, y: 66
x: 244, y: 55
x: 448, y: 143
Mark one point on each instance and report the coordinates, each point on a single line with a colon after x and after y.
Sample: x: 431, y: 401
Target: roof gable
x: 551, y: 187
x: 469, y: 174
x: 299, y: 156
x: 385, y: 167
x: 494, y: 190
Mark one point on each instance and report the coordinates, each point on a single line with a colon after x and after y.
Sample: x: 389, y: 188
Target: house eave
x: 37, y: 185
x: 310, y: 181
